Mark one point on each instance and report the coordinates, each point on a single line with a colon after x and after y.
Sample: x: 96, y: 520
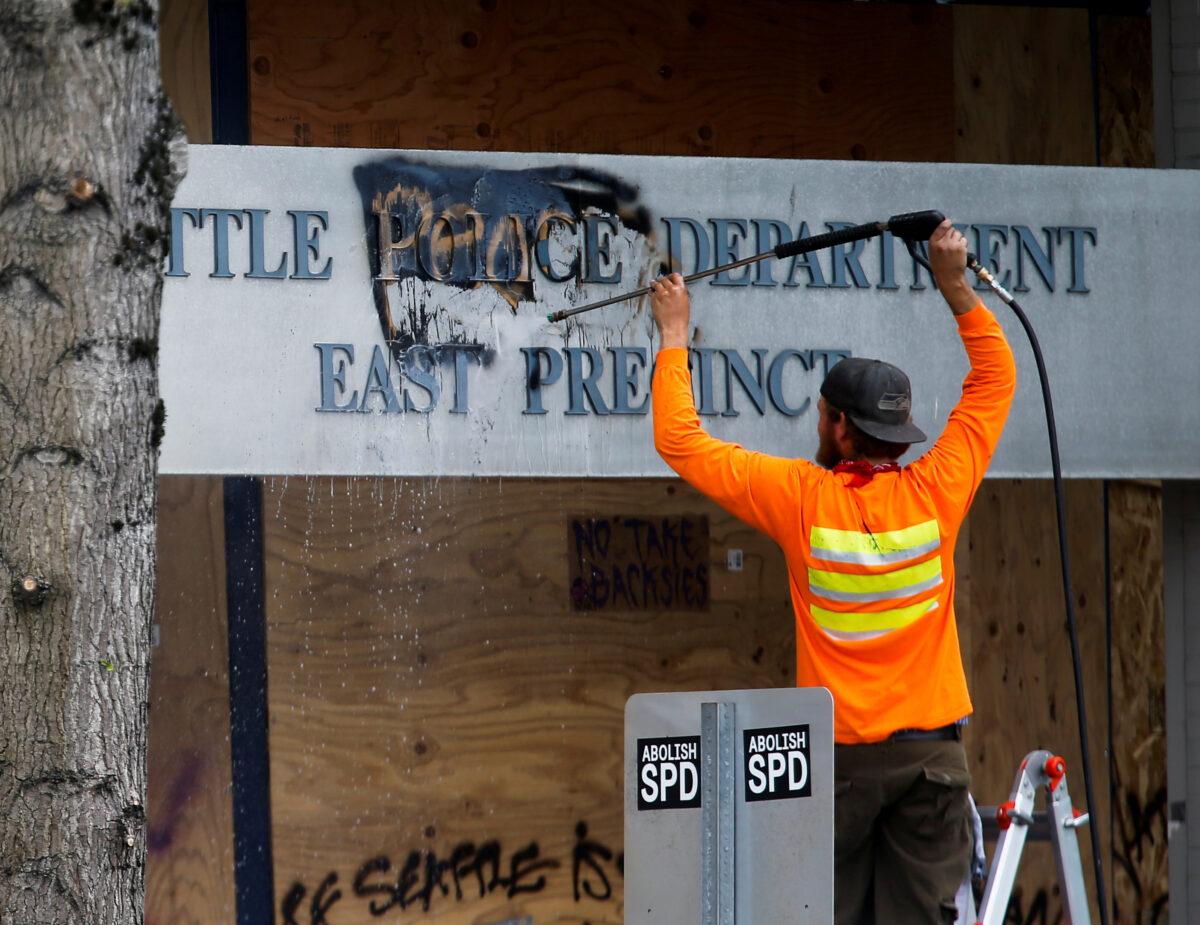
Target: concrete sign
x: 368, y: 312
x: 777, y: 827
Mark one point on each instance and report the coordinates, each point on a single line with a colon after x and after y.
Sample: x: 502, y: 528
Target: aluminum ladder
x: 1016, y: 822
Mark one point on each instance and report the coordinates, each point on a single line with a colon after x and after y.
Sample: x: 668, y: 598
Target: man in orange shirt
x: 870, y: 553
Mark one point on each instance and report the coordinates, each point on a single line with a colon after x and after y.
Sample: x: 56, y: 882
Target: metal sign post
x: 729, y: 807
x: 718, y: 846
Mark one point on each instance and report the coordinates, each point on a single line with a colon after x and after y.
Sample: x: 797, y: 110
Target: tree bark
x: 86, y: 179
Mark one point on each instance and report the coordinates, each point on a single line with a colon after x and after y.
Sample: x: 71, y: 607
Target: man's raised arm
x: 955, y: 465
x: 759, y: 489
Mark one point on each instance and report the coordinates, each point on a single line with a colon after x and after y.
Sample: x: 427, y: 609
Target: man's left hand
x: 948, y: 256
x: 672, y: 309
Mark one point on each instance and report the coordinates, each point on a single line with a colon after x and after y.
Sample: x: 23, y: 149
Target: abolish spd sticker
x: 669, y: 773
x: 776, y: 763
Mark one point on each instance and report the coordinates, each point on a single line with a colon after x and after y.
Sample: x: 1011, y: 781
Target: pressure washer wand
x: 712, y: 271
x: 911, y: 227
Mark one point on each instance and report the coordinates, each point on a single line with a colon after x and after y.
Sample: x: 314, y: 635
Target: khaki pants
x: 901, y: 831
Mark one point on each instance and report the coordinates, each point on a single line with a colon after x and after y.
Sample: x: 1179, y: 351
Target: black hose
x: 1060, y: 507
x: 1069, y: 595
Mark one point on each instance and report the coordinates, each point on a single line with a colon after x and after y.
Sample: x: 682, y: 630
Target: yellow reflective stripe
x: 871, y: 622
x: 853, y: 637
x: 884, y: 584
x: 887, y: 541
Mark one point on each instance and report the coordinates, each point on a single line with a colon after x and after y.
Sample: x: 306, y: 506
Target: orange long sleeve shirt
x: 870, y: 561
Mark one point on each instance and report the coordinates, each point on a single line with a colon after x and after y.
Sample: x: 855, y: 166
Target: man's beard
x: 827, y: 453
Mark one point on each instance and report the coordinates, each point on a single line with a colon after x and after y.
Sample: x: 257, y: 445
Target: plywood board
x: 1139, y: 759
x: 1022, y: 86
x: 183, y: 51
x: 433, y: 690
x: 1126, y: 100
x: 752, y: 79
x: 189, y: 863
x: 378, y: 687
x: 1022, y: 681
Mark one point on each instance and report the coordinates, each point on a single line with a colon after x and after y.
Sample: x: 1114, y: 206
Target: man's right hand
x: 672, y: 309
x: 948, y: 257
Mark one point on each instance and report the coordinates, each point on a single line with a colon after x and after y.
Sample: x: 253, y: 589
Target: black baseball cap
x: 876, y: 396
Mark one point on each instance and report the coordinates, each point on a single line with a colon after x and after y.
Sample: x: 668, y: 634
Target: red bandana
x: 864, y: 469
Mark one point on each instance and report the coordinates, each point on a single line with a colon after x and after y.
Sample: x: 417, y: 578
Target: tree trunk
x: 86, y: 179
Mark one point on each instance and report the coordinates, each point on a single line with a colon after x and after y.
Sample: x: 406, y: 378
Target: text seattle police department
x: 614, y: 381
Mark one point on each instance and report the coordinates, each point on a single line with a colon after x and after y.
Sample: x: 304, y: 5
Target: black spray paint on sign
x: 468, y: 227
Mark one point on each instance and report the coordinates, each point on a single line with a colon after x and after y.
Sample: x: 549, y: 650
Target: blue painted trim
x: 229, y: 72
x: 253, y: 867
x: 249, y: 751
